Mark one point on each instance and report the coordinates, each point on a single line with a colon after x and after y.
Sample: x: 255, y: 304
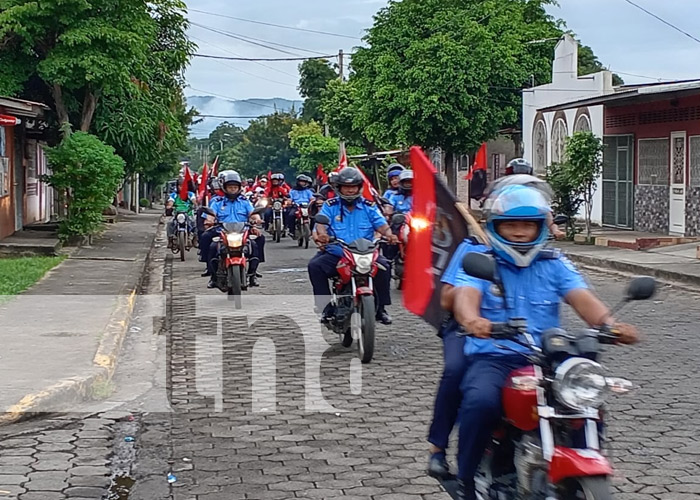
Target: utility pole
x: 342, y: 72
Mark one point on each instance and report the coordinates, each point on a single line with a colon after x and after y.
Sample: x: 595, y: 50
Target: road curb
x: 77, y: 389
x: 628, y: 267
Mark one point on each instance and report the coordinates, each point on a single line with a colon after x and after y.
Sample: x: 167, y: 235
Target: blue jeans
x: 481, y: 409
x: 449, y: 395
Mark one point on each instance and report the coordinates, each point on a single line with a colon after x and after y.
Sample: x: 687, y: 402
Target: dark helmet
x: 394, y: 170
x: 278, y: 177
x: 304, y: 178
x: 406, y: 175
x: 230, y: 177
x: 325, y: 191
x: 333, y: 178
x: 519, y: 166
x: 249, y: 181
x: 349, y: 176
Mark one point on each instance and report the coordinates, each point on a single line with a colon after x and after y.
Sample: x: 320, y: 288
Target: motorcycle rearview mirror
x: 480, y: 266
x: 398, y: 219
x: 561, y: 219
x: 641, y: 288
x: 323, y: 220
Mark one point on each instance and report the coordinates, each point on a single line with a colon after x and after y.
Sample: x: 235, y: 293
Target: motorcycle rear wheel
x: 182, y: 244
x: 234, y: 285
x: 585, y: 488
x: 365, y: 344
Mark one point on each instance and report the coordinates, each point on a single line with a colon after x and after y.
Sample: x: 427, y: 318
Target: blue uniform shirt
x: 299, y: 196
x: 534, y: 293
x: 389, y: 193
x: 402, y: 204
x: 455, y: 267
x: 349, y: 226
x: 238, y: 210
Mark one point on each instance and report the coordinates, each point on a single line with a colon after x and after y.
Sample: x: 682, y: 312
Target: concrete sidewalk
x: 674, y: 263
x: 60, y: 339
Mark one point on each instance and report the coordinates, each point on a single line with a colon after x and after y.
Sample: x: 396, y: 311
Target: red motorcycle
x: 548, y: 446
x: 234, y: 239
x: 352, y: 293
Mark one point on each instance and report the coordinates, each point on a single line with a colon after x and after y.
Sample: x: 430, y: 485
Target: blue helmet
x: 517, y: 203
x: 394, y: 170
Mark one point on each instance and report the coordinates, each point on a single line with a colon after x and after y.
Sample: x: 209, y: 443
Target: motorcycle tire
x: 585, y: 488
x: 182, y: 244
x: 365, y: 344
x: 300, y: 240
x: 305, y: 235
x: 234, y: 285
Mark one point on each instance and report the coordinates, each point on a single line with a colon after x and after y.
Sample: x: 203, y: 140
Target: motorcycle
x: 302, y: 230
x: 231, y: 273
x: 401, y: 224
x: 184, y: 237
x: 277, y: 227
x: 352, y: 293
x: 548, y: 446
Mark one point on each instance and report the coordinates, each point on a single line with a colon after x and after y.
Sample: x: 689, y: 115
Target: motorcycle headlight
x: 181, y: 218
x: 363, y: 263
x: 234, y: 240
x: 580, y: 384
x: 277, y: 206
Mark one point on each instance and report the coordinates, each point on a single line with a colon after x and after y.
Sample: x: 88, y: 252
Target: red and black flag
x: 438, y: 226
x: 321, y: 176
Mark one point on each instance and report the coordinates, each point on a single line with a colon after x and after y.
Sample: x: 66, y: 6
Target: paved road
x: 225, y: 441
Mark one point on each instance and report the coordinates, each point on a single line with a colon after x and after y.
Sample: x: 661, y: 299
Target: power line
x: 663, y: 21
x: 275, y: 25
x: 246, y: 72
x: 226, y: 58
x: 237, y: 37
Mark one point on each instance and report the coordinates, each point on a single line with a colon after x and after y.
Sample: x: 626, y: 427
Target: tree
x: 75, y: 50
x: 447, y: 73
x: 588, y: 63
x: 86, y: 173
x: 582, y: 167
x: 265, y: 146
x: 314, y: 75
x: 312, y: 147
x: 225, y: 135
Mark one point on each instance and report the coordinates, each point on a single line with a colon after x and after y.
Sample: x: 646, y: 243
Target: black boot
x: 383, y: 316
x: 438, y: 466
x: 253, y: 281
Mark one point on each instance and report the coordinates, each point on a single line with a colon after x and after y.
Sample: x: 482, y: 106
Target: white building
x: 544, y: 132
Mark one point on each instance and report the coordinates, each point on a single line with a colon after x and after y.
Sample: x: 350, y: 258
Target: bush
x: 88, y: 173
x: 144, y: 203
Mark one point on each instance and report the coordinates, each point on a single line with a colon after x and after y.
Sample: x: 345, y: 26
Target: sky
x: 630, y: 42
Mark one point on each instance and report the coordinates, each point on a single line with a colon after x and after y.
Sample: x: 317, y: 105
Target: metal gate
x: 618, y: 181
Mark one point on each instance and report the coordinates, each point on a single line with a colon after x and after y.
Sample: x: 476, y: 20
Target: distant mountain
x: 209, y: 105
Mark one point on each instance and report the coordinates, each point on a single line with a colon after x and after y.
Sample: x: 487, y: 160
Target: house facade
x: 545, y: 129
x: 24, y: 198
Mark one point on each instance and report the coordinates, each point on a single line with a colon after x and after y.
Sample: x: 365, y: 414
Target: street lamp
x: 221, y: 141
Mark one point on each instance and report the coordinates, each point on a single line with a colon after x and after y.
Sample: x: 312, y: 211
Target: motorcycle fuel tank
x: 520, y: 399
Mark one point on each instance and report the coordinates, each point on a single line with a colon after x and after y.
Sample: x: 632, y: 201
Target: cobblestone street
x: 238, y: 443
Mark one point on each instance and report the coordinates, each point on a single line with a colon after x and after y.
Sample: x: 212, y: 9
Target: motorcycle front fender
x: 364, y: 290
x: 569, y: 462
x: 235, y: 261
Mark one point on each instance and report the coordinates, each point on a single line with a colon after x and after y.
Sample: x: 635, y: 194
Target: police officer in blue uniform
x: 403, y: 200
x: 392, y: 176
x: 351, y: 217
x: 232, y: 207
x: 536, y: 280
x: 302, y: 193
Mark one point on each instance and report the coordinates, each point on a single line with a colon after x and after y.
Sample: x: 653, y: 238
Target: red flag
x: 185, y: 187
x: 215, y: 167
x: 480, y: 162
x: 202, y: 191
x: 343, y: 162
x: 321, y: 177
x: 437, y: 229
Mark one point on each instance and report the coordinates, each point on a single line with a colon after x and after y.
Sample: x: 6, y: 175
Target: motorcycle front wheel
x: 306, y: 235
x: 234, y: 285
x: 182, y: 244
x: 365, y: 342
x: 585, y: 488
x: 278, y: 231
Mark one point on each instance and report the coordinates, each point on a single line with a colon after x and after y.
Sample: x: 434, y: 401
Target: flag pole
x: 473, y: 223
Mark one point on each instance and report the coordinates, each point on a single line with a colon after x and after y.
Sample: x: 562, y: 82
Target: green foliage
x: 18, y: 274
x: 313, y: 147
x: 588, y: 63
x: 89, y: 173
x: 314, y: 75
x: 448, y: 73
x: 144, y: 203
x: 265, y: 146
x: 340, y: 105
x: 566, y: 198
x: 225, y: 134
x: 583, y: 165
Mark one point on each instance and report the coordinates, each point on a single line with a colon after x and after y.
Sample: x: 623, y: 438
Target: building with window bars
x: 651, y: 173
x: 24, y: 198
